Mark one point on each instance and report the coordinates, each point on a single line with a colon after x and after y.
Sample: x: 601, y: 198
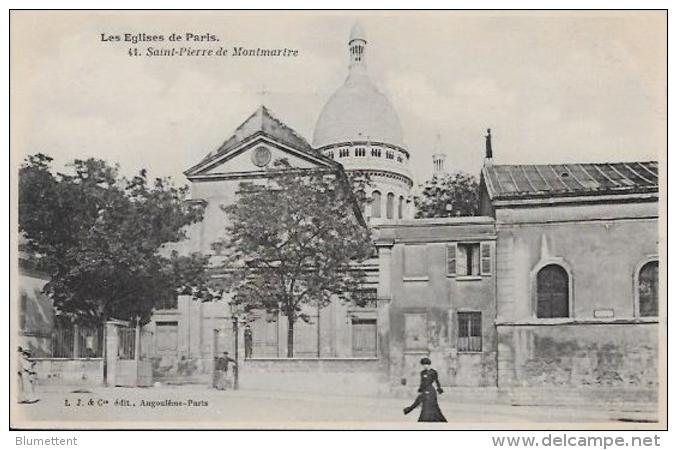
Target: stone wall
x: 353, y: 376
x: 579, y: 355
x: 76, y: 372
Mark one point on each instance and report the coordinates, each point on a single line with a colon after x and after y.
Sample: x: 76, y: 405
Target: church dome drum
x: 360, y: 129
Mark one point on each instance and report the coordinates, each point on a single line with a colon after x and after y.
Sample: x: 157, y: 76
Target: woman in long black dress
x: 427, y: 397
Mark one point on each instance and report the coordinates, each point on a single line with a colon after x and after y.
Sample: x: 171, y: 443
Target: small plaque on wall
x: 604, y: 313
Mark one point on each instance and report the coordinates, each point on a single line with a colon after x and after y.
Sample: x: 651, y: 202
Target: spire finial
x: 489, y: 154
x: 438, y: 157
x: 357, y: 43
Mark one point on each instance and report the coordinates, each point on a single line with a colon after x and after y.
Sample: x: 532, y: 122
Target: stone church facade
x: 554, y: 285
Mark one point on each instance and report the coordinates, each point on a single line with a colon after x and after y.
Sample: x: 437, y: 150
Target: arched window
x: 390, y: 205
x: 400, y: 208
x: 648, y: 289
x: 376, y: 204
x: 552, y: 292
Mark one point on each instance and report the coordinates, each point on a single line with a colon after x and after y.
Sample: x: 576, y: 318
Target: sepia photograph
x: 338, y: 220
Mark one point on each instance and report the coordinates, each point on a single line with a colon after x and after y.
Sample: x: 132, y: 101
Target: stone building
x: 437, y: 280
x: 577, y: 273
x: 553, y: 286
x: 36, y: 314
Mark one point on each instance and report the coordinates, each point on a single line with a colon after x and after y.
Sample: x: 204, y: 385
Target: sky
x: 553, y: 86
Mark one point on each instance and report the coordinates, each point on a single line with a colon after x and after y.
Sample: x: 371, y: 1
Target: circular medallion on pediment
x: 261, y: 156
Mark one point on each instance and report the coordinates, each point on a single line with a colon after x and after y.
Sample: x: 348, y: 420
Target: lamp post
x: 235, y: 312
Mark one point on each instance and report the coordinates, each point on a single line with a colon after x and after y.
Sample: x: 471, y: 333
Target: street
x: 196, y: 406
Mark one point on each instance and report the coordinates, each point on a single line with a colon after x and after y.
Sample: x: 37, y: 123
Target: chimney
x: 489, y: 154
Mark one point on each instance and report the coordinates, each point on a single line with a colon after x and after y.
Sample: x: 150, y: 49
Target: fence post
x: 76, y: 341
x: 112, y: 343
x: 137, y: 350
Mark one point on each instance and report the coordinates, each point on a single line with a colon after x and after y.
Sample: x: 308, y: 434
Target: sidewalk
x: 196, y: 406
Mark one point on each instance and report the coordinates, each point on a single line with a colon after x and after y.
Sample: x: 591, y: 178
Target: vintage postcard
x: 338, y: 219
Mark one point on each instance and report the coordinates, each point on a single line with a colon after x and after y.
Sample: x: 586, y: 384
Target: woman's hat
x: 425, y: 361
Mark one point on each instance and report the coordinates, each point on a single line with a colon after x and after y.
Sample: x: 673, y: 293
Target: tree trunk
x: 290, y: 335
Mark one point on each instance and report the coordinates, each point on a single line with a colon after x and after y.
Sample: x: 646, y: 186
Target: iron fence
x: 127, y: 343
x: 77, y: 342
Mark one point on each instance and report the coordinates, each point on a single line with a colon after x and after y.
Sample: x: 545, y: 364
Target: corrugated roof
x: 549, y: 180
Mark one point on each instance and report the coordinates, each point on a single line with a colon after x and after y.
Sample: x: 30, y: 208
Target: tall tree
x: 297, y: 239
x: 100, y: 238
x: 450, y: 195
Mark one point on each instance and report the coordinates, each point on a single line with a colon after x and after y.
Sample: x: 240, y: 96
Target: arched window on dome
x: 390, y: 206
x: 552, y: 292
x: 376, y: 204
x: 400, y: 208
x: 648, y: 289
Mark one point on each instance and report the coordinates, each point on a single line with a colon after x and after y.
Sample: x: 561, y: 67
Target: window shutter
x: 461, y: 260
x: 451, y: 259
x: 485, y: 251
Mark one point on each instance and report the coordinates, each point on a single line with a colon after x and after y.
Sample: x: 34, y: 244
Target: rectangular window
x: 166, y: 336
x: 415, y: 261
x: 468, y: 260
x: 415, y: 331
x: 469, y: 332
x: 364, y: 338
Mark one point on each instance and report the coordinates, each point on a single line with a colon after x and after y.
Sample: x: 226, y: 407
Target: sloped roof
x: 557, y: 180
x: 261, y: 122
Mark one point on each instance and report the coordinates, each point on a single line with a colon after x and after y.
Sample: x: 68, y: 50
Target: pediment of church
x: 253, y: 148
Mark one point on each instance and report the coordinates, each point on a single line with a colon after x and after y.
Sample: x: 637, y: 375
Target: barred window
x: 390, y: 154
x: 469, y: 332
x: 360, y: 151
x: 344, y: 152
x: 376, y: 152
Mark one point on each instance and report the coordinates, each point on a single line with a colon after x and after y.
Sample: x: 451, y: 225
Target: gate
x: 128, y: 355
